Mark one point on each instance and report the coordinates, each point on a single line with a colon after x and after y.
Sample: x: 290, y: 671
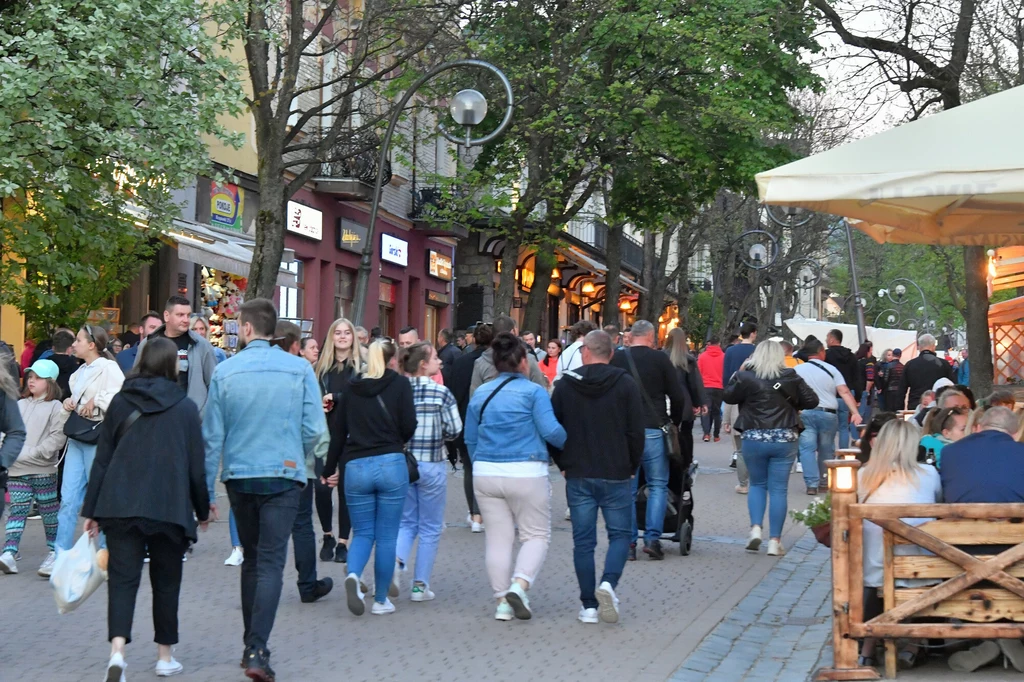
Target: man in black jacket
x: 658, y: 380
x: 596, y: 405
x: 462, y: 378
x: 448, y: 353
x: 922, y: 372
x: 843, y: 359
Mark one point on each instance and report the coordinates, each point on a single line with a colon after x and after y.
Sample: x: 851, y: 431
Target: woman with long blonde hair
x: 693, y: 384
x: 341, y: 360
x: 892, y: 475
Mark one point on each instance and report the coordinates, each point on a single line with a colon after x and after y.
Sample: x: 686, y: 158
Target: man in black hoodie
x: 597, y: 406
x: 843, y: 359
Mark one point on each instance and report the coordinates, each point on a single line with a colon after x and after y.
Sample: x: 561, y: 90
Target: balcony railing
x: 590, y: 230
x: 351, y: 177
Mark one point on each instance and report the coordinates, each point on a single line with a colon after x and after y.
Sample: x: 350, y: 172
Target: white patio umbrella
x: 956, y: 177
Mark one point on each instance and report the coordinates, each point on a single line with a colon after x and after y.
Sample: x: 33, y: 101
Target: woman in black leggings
x: 340, y: 360
x: 462, y: 379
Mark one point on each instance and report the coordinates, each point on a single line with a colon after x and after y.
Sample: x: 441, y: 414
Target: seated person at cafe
x: 1000, y: 397
x: 987, y: 466
x: 941, y: 428
x: 948, y: 396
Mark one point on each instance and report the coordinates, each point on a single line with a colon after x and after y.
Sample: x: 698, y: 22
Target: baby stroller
x: 679, y: 510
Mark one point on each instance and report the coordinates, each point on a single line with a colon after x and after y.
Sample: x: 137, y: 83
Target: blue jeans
x: 819, y: 436
x: 843, y: 416
x: 77, y: 465
x: 423, y: 516
x: 769, y: 465
x: 233, y: 529
x: 264, y: 524
x: 375, y: 489
x: 655, y: 466
x: 865, y: 412
x: 614, y: 499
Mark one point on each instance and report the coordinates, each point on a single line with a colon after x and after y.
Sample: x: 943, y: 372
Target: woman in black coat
x: 693, y: 389
x: 146, y: 489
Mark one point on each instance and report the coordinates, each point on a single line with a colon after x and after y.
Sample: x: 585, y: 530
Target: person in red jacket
x: 711, y: 364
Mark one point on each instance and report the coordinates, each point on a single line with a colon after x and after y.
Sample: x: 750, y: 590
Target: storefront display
x: 223, y: 295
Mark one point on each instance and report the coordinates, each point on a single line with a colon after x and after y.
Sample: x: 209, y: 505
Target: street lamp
x: 468, y: 109
x: 898, y: 288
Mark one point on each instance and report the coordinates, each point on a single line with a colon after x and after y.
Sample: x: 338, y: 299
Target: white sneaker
x: 520, y: 603
x: 568, y: 514
x: 754, y: 539
x: 115, y: 668
x: 168, y: 668
x: 775, y: 548
x: 608, y: 603
x: 395, y: 588
x: 421, y: 592
x: 504, y: 612
x: 7, y: 564
x: 382, y: 609
x: 235, y: 558
x: 355, y: 596
x: 46, y: 568
x: 588, y: 615
x: 799, y: 467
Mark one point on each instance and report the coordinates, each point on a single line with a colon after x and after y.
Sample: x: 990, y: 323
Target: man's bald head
x: 597, y: 348
x: 1000, y: 419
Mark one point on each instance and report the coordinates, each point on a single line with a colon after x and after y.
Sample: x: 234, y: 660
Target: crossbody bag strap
x: 491, y: 396
x: 387, y: 415
x: 125, y: 425
x: 640, y: 385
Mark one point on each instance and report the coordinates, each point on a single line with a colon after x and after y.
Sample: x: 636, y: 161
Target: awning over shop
x: 585, y: 262
x: 205, y: 246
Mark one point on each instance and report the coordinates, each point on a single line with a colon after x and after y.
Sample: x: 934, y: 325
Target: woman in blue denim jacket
x: 508, y: 426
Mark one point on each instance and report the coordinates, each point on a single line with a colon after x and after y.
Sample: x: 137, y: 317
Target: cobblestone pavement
x: 667, y: 609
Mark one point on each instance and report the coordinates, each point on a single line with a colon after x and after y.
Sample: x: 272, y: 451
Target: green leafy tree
x: 103, y: 108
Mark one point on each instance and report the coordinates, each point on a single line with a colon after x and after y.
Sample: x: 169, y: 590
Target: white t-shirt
x: 570, y: 359
x: 928, y: 490
x: 823, y: 378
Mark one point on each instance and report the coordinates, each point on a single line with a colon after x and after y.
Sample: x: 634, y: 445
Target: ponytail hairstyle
x: 378, y: 356
x: 410, y: 359
x: 508, y: 352
x: 98, y: 335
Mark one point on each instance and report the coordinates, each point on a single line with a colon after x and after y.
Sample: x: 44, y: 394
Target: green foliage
x: 698, y: 317
x: 818, y: 512
x: 103, y: 108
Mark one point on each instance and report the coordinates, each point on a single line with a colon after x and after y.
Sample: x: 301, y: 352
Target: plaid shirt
x: 437, y: 419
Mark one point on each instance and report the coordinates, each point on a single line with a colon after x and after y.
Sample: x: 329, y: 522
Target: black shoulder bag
x: 670, y: 432
x: 491, y: 397
x: 410, y: 461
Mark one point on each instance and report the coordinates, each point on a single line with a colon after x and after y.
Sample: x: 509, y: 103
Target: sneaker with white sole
x: 799, y: 467
x: 421, y: 592
x: 607, y: 603
x: 115, y: 668
x: 168, y: 668
x: 588, y: 615
x: 355, y: 596
x: 395, y: 588
x: 775, y: 548
x: 379, y: 609
x: 520, y: 603
x: 235, y: 558
x: 504, y: 612
x: 46, y: 568
x: 754, y: 539
x: 7, y: 564
x: 568, y: 514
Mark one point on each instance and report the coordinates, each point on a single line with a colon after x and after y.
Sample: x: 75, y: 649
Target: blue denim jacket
x: 516, y: 424
x: 263, y: 416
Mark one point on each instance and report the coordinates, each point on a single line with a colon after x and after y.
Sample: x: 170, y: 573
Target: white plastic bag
x: 76, y: 575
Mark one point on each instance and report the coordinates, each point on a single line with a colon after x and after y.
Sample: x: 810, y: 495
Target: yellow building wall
x: 12, y: 328
x: 243, y: 159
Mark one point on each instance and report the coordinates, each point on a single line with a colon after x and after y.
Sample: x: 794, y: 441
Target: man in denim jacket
x: 263, y: 415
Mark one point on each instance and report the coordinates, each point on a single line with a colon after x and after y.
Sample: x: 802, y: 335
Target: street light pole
x: 471, y: 109
x: 862, y: 332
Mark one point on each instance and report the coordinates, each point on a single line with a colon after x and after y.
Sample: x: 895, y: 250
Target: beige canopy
x: 955, y: 177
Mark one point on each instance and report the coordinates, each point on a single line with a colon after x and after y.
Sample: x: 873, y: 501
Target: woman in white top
x: 93, y: 386
x: 892, y: 475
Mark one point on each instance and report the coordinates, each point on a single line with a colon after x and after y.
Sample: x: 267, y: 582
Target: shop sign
x: 437, y: 297
x: 439, y: 265
x: 305, y: 221
x: 394, y: 250
x: 351, y: 235
x: 226, y: 204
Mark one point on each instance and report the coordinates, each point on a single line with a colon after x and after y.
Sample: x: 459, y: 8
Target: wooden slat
x: 940, y: 630
x: 888, y: 598
x: 976, y: 605
x: 907, y: 567
x: 973, y: 531
x: 939, y: 511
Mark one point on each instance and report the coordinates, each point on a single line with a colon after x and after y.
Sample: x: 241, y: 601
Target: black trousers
x: 265, y: 524
x: 304, y: 542
x: 714, y: 416
x: 467, y: 477
x: 127, y: 551
x: 325, y: 505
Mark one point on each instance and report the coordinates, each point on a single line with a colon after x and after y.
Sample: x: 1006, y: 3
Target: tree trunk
x: 266, y: 258
x: 683, y: 277
x: 978, y: 342
x: 537, y: 304
x: 507, y: 282
x: 648, y: 276
x: 612, y: 285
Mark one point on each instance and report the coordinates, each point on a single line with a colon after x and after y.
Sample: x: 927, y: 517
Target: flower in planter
x: 818, y: 512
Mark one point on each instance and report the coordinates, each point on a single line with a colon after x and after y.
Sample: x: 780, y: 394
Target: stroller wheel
x: 685, y: 538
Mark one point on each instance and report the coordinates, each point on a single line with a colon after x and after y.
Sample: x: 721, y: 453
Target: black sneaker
x: 732, y: 464
x: 257, y: 665
x: 327, y: 551
x: 632, y: 551
x: 322, y: 589
x: 812, y: 491
x: 654, y: 550
x: 341, y: 554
